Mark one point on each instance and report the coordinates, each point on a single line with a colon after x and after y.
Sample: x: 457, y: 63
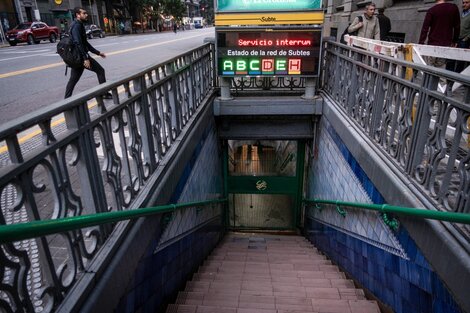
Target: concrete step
x: 285, y: 305
x: 289, y: 281
x: 187, y: 297
x: 259, y: 289
x: 266, y: 274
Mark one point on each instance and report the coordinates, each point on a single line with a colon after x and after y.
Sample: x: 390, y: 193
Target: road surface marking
x: 26, y: 56
x: 37, y: 131
x: 44, y: 67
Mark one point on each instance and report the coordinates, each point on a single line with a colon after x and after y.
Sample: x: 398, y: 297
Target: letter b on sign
x: 241, y: 65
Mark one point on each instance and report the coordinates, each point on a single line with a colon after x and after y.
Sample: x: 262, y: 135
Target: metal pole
x: 2, y: 33
x: 91, y: 11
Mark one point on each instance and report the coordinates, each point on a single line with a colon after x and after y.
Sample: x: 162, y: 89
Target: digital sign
x: 289, y: 52
x: 267, y: 5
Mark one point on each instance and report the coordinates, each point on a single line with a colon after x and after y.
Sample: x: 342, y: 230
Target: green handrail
x: 453, y: 217
x: 22, y: 231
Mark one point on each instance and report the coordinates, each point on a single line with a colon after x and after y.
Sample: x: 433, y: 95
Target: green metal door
x: 264, y: 183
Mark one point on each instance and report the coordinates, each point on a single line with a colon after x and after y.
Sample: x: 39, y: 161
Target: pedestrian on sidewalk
x: 175, y: 27
x: 367, y: 26
x: 464, y: 36
x: 441, y: 27
x: 78, y: 35
x: 385, y: 24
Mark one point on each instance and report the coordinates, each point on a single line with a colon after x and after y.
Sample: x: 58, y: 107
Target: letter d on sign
x: 267, y: 65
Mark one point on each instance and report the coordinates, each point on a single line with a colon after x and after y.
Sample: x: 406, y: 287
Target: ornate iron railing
x: 279, y: 83
x: 423, y: 132
x: 88, y: 155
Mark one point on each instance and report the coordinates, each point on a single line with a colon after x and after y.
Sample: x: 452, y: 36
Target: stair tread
x: 309, y: 292
x: 280, y: 274
x: 279, y: 305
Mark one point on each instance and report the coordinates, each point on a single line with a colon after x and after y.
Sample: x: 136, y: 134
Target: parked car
x: 32, y: 33
x: 93, y: 31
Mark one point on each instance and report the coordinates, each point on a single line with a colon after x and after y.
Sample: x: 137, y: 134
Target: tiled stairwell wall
x: 186, y: 237
x: 385, y: 262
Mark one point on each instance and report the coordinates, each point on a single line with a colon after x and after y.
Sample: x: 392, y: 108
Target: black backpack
x: 348, y: 33
x: 69, y: 52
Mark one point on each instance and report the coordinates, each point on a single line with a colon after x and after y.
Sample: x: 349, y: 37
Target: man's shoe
x: 107, y: 95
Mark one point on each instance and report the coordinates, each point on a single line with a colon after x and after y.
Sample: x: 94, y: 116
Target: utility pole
x: 2, y: 34
x: 91, y: 11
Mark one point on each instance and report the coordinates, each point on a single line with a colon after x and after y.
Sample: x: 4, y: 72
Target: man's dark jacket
x: 78, y: 33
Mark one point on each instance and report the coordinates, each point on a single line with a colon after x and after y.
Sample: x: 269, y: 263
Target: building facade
x: 406, y: 16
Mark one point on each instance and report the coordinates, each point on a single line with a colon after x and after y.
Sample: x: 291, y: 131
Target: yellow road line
x: 57, y: 122
x: 37, y: 132
x: 30, y: 70
x: 44, y: 67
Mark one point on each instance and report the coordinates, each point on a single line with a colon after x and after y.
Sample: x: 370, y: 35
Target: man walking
x: 369, y: 26
x: 385, y: 25
x: 441, y: 27
x: 78, y: 35
x: 464, y: 37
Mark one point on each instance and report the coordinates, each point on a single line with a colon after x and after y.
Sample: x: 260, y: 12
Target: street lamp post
x: 91, y: 11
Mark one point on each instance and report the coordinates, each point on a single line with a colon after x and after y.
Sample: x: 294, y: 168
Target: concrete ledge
x: 444, y: 248
x: 266, y: 127
x: 288, y: 105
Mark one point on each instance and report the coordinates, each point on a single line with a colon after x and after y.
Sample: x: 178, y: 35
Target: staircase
x: 262, y: 273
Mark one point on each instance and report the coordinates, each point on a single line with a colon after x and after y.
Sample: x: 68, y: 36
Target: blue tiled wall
x: 169, y: 264
x: 403, y: 281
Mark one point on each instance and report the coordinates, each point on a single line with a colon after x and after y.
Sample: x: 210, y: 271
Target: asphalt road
x: 33, y: 76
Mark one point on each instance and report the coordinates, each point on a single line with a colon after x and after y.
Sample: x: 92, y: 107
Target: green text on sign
x: 267, y: 5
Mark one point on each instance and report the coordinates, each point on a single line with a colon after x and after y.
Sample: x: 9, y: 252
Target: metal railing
x: 87, y: 155
x: 452, y: 217
x: 396, y: 104
x: 282, y: 84
x: 22, y: 231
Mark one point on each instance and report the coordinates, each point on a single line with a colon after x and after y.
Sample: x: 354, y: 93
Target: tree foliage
x: 152, y: 8
x: 175, y: 8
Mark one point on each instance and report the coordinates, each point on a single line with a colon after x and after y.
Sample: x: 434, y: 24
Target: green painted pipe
x: 453, y: 217
x: 17, y: 232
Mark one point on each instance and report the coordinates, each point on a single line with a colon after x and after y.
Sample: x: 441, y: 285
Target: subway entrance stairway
x: 263, y: 273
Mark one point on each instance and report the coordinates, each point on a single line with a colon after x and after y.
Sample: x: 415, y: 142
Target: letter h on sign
x: 295, y: 66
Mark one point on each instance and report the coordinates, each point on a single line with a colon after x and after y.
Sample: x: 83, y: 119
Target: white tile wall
x: 331, y: 178
x: 204, y: 183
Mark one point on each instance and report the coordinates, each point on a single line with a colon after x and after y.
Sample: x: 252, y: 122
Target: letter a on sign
x: 267, y: 66
x: 228, y: 65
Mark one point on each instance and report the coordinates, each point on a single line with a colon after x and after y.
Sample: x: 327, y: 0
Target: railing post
x: 173, y: 100
x: 225, y: 88
x: 140, y: 86
x: 310, y: 86
x: 421, y: 124
x: 89, y: 171
x: 353, y: 78
x: 377, y: 107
